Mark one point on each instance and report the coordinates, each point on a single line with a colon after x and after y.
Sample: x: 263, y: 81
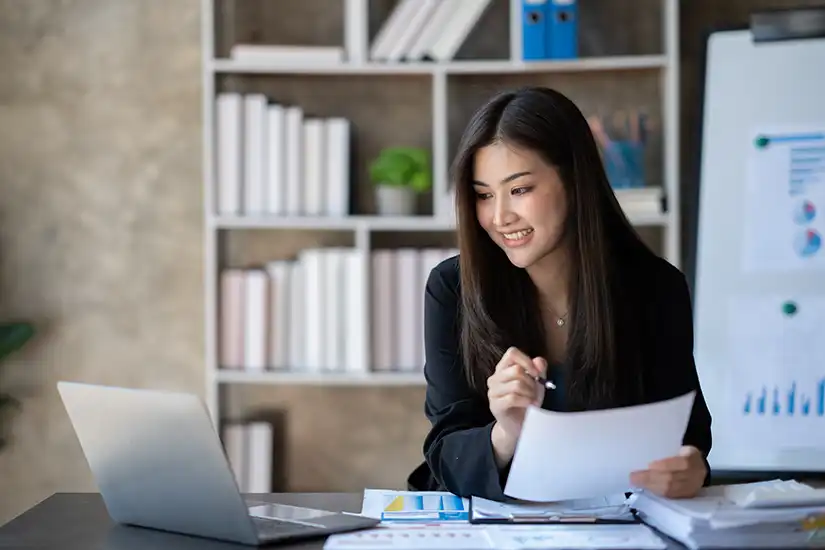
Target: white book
x: 457, y: 29
x: 407, y: 310
x: 430, y: 258
x: 286, y: 55
x: 294, y: 160
x: 276, y: 160
x: 279, y: 310
x: 255, y: 158
x: 392, y: 28
x: 315, y: 310
x: 338, y: 168
x: 229, y: 143
x: 412, y: 28
x: 383, y: 309
x: 236, y: 447
x: 356, y: 308
x: 261, y: 441
x: 334, y: 289
x: 432, y: 29
x: 255, y: 319
x: 233, y: 300
x: 356, y: 35
x: 297, y: 315
x: 314, y: 166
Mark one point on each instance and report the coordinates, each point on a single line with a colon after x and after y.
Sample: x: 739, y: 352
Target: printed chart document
x: 502, y: 537
x: 414, y: 506
x: 784, y: 200
x: 776, y: 385
x: 566, y: 456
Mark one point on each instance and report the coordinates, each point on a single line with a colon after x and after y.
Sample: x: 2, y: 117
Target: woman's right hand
x: 511, y: 389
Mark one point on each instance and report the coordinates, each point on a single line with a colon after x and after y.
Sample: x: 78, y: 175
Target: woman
x: 551, y: 281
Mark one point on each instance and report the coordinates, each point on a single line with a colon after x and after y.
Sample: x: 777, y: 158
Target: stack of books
x: 772, y: 514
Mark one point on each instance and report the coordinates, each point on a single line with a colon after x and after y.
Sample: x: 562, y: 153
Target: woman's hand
x: 511, y: 389
x: 676, y: 477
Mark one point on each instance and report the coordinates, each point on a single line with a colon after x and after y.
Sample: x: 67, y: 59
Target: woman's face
x: 520, y: 202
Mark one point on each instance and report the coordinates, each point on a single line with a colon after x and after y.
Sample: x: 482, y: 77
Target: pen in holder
x: 623, y: 154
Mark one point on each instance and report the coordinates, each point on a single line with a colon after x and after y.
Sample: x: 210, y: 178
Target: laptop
x: 159, y: 463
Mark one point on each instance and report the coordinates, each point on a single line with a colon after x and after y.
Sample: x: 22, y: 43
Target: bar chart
x: 788, y: 401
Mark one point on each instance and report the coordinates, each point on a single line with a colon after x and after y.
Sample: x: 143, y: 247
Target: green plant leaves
x: 403, y: 166
x: 13, y: 336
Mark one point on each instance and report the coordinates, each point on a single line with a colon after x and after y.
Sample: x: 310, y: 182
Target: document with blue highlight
x: 414, y: 506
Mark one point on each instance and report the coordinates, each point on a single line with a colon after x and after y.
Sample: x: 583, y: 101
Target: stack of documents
x: 434, y: 520
x: 612, y: 509
x: 772, y: 514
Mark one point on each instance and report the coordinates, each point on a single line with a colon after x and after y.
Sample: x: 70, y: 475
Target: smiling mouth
x: 517, y: 235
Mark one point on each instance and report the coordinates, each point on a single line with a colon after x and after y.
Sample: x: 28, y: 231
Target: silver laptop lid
x: 157, y: 460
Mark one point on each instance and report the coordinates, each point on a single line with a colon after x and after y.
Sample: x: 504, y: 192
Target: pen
x: 546, y: 383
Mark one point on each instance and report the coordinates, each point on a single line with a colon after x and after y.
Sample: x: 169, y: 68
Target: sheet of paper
x: 776, y: 384
x: 529, y: 537
x: 613, y: 507
x: 565, y: 456
x: 410, y: 537
x: 414, y: 506
x: 784, y: 200
x: 503, y: 537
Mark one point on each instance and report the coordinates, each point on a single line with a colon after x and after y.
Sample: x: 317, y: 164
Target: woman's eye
x: 483, y: 196
x: 520, y: 190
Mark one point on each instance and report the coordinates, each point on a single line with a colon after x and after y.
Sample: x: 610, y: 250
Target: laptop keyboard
x: 267, y: 527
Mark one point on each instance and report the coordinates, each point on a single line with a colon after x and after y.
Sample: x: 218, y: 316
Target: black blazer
x: 457, y: 450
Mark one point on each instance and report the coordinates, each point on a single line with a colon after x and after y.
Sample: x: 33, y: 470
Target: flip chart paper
x: 563, y: 456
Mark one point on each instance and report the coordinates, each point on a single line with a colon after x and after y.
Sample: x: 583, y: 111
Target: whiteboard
x: 759, y: 279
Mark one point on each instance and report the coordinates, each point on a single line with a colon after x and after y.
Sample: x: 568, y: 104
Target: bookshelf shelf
x: 377, y: 223
x: 629, y: 60
x: 607, y: 63
x: 322, y: 378
x: 354, y: 223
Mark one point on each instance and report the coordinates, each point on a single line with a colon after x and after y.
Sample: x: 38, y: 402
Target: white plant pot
x: 393, y: 200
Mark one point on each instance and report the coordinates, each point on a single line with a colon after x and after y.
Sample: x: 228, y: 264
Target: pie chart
x: 808, y: 243
x: 804, y: 212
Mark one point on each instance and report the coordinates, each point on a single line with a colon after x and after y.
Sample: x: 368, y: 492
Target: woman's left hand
x: 676, y: 477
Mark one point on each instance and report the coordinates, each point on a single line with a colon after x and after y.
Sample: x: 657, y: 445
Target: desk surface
x: 74, y: 521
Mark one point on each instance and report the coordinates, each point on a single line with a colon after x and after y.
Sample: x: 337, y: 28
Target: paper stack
x: 772, y: 514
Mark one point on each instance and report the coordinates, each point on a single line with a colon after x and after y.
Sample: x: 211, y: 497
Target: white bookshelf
x: 363, y: 227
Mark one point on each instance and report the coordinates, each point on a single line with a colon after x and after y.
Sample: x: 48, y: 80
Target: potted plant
x: 13, y: 336
x: 399, y: 174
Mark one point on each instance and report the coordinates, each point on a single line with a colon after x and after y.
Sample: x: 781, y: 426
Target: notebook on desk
x: 613, y: 509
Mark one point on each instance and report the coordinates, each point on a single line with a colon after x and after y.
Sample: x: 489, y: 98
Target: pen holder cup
x: 624, y: 164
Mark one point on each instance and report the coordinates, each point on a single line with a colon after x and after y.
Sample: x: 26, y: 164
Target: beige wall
x: 100, y: 216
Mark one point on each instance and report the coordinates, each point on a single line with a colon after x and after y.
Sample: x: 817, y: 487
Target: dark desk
x: 75, y: 521
x: 79, y: 521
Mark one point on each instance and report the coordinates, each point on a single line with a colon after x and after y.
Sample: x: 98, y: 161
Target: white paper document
x: 784, y: 200
x: 614, y: 507
x: 505, y: 537
x: 411, y: 537
x: 775, y: 385
x: 565, y: 456
x: 540, y: 537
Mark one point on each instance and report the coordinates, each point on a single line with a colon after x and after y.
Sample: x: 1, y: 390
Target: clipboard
x: 518, y: 514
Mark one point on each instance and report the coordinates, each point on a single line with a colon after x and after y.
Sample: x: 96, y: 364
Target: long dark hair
x: 500, y: 302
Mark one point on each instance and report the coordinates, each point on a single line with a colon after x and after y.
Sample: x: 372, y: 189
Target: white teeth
x: 517, y: 235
